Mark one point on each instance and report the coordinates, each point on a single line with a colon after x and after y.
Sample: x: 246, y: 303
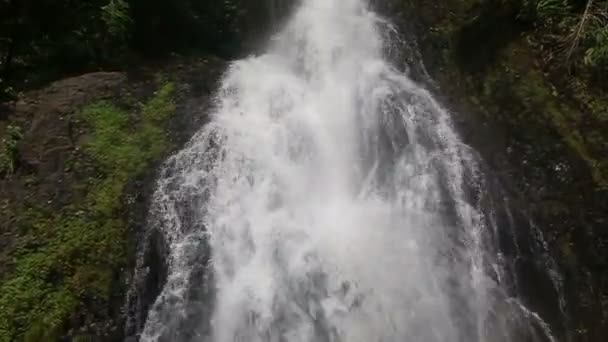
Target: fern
x: 552, y: 9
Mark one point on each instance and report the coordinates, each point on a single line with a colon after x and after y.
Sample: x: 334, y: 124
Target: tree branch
x: 580, y: 30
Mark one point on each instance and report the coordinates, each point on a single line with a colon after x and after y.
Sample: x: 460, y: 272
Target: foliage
x: 41, y: 40
x: 9, y: 152
x: 71, y: 260
x: 579, y: 27
x: 597, y: 37
x: 217, y: 26
x: 115, y: 15
x: 551, y: 9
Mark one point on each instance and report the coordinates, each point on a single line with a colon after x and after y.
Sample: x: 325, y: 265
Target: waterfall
x: 330, y: 199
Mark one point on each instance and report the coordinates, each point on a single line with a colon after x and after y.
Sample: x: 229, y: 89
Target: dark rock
x: 537, y: 145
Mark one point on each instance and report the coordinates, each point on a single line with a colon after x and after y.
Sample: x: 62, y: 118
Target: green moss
x: 565, y: 119
x: 9, y: 153
x: 69, y: 262
x: 161, y: 106
x: 509, y: 85
x: 597, y: 103
x: 531, y: 100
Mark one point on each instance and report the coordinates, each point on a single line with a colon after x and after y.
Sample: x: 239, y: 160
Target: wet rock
x: 534, y: 127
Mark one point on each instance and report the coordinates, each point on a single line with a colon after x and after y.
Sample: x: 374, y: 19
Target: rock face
x: 48, y: 141
x: 52, y: 200
x: 42, y: 184
x: 542, y: 133
x: 199, y: 82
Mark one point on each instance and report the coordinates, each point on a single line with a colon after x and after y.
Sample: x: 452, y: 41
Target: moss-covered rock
x: 70, y: 262
x: 73, y: 206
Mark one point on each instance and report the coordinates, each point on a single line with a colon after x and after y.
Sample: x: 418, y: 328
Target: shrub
x: 596, y: 37
x: 578, y: 28
x: 115, y: 16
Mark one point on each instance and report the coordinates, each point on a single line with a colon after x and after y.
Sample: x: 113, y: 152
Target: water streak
x: 330, y: 199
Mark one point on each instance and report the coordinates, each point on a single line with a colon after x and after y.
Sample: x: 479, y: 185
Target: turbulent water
x: 330, y: 199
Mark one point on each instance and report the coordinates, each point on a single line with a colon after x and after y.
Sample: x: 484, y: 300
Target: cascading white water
x: 336, y: 202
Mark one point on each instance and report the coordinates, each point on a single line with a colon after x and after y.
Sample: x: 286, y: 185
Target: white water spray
x: 333, y: 196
